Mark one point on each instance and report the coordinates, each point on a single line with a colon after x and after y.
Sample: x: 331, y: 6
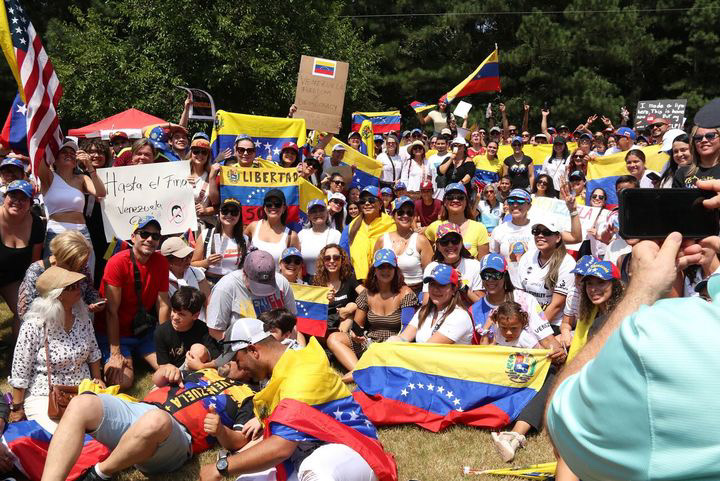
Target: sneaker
x: 507, y: 442
x: 90, y: 475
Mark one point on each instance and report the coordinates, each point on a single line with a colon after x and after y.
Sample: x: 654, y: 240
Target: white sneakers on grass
x: 507, y: 442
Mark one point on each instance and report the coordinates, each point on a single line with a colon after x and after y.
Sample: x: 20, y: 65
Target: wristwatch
x: 222, y: 463
x: 16, y: 407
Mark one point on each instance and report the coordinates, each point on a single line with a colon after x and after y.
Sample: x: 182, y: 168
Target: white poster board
x: 544, y: 207
x: 462, y: 109
x: 134, y: 191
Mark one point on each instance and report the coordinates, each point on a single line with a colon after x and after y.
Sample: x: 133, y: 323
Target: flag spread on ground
x: 367, y: 170
x: 539, y: 472
x: 312, y: 309
x: 37, y: 82
x: 420, y: 107
x: 436, y: 385
x: 485, y: 78
x: 268, y: 133
x: 382, y: 122
x: 14, y: 132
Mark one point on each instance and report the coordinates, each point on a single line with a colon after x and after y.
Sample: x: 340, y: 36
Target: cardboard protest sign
x: 134, y: 191
x: 546, y: 207
x: 673, y: 110
x: 320, y: 93
x: 202, y: 106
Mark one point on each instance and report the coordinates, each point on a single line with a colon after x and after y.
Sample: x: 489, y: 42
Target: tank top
x: 275, y: 249
x: 62, y: 197
x: 409, y: 261
x: 220, y: 244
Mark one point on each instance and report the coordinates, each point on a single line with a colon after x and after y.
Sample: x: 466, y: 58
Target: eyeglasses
x: 367, y: 200
x: 338, y: 182
x: 405, y: 212
x: 541, y: 182
x: 73, y: 286
x: 447, y: 240
x: 243, y: 150
x: 333, y: 258
x: 233, y: 211
x: 710, y: 136
x: 491, y: 275
x: 543, y: 231
x: 453, y: 197
x: 199, y: 151
x: 293, y: 260
x: 515, y: 201
x: 273, y: 204
x: 144, y: 234
x: 598, y: 197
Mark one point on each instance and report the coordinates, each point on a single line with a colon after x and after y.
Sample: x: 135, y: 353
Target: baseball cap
x: 541, y: 136
x: 559, y: 140
x: 175, y: 246
x: 406, y: 133
x: 415, y: 131
x: 386, y: 191
x: 200, y: 143
x: 290, y: 145
x: 585, y: 136
x: 22, y: 185
x: 338, y: 147
x: 290, y: 252
x: 242, y: 333
x: 604, y: 270
x: 493, y: 261
x: 446, y: 229
x: 520, y: 194
x: 259, y: 267
x: 315, y: 203
x: 200, y: 135
x: 243, y: 137
x: 118, y: 134
x: 230, y: 200
x: 400, y: 186
x: 69, y: 143
x: 583, y: 264
x: 385, y: 256
x: 459, y: 140
x: 708, y: 117
x: 144, y: 221
x: 549, y: 223
x: 445, y: 131
x: 551, y: 130
x: 400, y: 201
x: 576, y: 174
x: 337, y: 196
x: 626, y: 132
x: 443, y: 274
x: 668, y: 139
x: 353, y: 134
x: 563, y: 127
x: 12, y: 161
x: 516, y: 140
x: 495, y: 129
x: 372, y: 190
x: 455, y: 186
x: 378, y: 137
x: 276, y: 193
x: 653, y: 119
x: 56, y: 277
x: 427, y: 185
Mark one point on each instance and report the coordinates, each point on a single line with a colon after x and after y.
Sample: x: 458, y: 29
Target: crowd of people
x: 431, y: 254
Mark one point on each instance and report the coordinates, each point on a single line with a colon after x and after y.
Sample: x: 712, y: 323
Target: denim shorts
x: 129, y: 346
x: 119, y: 415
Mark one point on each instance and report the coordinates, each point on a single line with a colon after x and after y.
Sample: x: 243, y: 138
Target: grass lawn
x: 420, y: 454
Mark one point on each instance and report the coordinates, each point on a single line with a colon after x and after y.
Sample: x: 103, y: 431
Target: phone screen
x: 655, y: 213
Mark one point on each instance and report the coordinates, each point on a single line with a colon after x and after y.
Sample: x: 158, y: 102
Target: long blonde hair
x: 556, y: 260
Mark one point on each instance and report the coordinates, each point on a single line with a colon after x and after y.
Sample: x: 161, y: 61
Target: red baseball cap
x: 427, y: 185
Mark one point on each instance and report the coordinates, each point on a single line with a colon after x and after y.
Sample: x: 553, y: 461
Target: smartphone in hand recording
x: 655, y: 213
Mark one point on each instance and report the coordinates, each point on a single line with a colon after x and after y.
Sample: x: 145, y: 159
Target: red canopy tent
x: 130, y: 121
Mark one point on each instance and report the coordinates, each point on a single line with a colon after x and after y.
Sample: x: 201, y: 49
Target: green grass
x: 420, y: 454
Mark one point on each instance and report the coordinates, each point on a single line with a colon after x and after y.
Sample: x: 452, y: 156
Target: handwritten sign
x: 673, y: 110
x: 320, y: 93
x: 546, y: 207
x: 202, y: 106
x: 134, y: 191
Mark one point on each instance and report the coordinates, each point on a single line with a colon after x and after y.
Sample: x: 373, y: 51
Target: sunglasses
x: 491, y: 275
x: 73, y: 286
x: 338, y: 202
x: 338, y: 182
x: 446, y: 241
x: 515, y: 201
x: 144, y: 234
x: 405, y: 212
x: 243, y: 150
x: 578, y: 157
x: 656, y: 126
x: 541, y: 182
x: 273, y: 204
x: 453, y: 197
x: 544, y: 231
x: 367, y: 200
x: 198, y: 151
x: 598, y: 197
x: 710, y: 136
x: 234, y: 341
x: 293, y: 260
x: 233, y: 211
x: 333, y: 258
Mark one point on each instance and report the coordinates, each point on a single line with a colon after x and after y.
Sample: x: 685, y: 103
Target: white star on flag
x: 449, y: 394
x: 268, y: 146
x: 22, y: 109
x: 338, y: 414
x: 12, y: 11
x: 421, y: 386
x: 276, y: 151
x: 22, y: 40
x: 440, y: 389
x: 15, y: 20
x: 18, y: 30
x: 353, y: 416
x: 404, y: 392
x: 430, y: 387
x: 456, y: 401
x: 258, y: 144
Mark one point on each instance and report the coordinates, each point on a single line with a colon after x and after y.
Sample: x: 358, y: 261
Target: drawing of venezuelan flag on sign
x: 324, y: 68
x: 312, y: 309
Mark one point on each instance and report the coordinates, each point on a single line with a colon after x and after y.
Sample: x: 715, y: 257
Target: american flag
x: 36, y: 80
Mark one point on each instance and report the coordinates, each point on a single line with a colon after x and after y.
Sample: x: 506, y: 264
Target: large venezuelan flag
x: 305, y: 400
x: 312, y: 309
x: 603, y: 171
x: 487, y: 172
x: 367, y: 170
x: 436, y: 385
x: 382, y: 122
x: 269, y: 133
x: 420, y: 107
x: 485, y: 78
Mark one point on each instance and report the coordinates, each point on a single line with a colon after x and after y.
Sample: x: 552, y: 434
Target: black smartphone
x: 655, y: 213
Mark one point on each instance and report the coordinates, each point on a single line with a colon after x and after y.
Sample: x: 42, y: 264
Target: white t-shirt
x: 469, y: 270
x: 572, y: 302
x: 457, y: 326
x: 512, y: 242
x: 557, y: 169
x: 538, y: 324
x: 192, y: 278
x: 220, y: 244
x: 391, y: 166
x: 311, y: 243
x: 615, y: 249
x: 434, y: 161
x: 532, y: 280
x: 527, y: 339
x: 413, y: 174
x: 646, y: 182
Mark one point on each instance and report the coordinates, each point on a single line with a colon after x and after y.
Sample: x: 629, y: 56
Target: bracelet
x: 573, y: 213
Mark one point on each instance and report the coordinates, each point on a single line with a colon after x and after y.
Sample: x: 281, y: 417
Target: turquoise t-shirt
x: 647, y: 406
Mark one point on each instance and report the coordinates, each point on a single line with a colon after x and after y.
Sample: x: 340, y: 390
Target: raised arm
x: 526, y: 115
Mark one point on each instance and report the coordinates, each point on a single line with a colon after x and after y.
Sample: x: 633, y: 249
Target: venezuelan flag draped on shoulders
x: 269, y: 133
x: 437, y: 385
x: 305, y: 400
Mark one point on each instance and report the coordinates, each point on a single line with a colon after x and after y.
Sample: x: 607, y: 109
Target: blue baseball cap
x: 385, y: 256
x: 521, y: 194
x: 386, y: 191
x: 443, y: 274
x: 144, y: 221
x: 243, y: 137
x: 604, y: 270
x: 626, y: 132
x: 585, y: 136
x: 456, y: 186
x: 12, y: 161
x: 516, y: 140
x: 200, y: 135
x: 377, y: 137
x: 290, y: 252
x: 400, y: 186
x: 315, y: 203
x: 415, y: 131
x: 158, y: 134
x: 493, y: 261
x: 401, y: 201
x: 22, y: 185
x: 576, y: 174
x: 372, y: 190
x: 583, y: 264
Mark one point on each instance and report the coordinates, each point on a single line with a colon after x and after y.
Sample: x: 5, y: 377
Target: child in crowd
x: 281, y: 324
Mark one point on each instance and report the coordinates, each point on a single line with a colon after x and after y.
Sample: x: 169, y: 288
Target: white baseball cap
x: 242, y: 333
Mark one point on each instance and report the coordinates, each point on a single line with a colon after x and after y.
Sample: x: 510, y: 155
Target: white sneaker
x: 507, y: 442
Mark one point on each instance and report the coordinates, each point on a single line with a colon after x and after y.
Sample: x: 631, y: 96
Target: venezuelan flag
x: 538, y: 153
x: 29, y: 443
x: 367, y: 139
x: 312, y: 309
x: 604, y: 171
x: 382, y: 122
x: 420, y: 107
x: 324, y: 68
x: 305, y: 400
x: 485, y: 78
x: 367, y: 171
x: 539, y: 472
x: 269, y: 133
x: 436, y: 385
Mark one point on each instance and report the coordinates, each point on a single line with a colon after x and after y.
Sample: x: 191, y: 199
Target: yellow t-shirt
x: 483, y: 163
x: 475, y: 235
